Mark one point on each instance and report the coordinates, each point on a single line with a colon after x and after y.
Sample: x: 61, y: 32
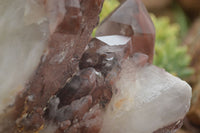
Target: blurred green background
x: 177, y: 46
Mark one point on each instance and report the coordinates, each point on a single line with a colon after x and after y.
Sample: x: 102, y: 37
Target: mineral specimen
x: 102, y: 85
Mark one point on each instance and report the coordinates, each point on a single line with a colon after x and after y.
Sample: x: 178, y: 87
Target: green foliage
x: 108, y: 7
x: 168, y: 53
x: 181, y: 18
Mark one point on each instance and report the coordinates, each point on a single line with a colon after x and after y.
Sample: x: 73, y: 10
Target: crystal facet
x: 131, y: 19
x: 145, y: 101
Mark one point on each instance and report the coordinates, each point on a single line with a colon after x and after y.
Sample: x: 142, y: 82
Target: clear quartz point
x: 131, y: 19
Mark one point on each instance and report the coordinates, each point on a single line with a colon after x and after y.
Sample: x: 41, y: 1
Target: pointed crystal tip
x: 131, y: 19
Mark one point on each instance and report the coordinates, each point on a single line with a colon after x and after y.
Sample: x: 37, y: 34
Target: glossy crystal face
x: 148, y: 99
x: 131, y: 19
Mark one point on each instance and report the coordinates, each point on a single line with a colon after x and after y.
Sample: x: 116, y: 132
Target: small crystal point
x: 131, y: 19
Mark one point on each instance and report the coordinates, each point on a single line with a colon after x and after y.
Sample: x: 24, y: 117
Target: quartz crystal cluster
x: 62, y: 81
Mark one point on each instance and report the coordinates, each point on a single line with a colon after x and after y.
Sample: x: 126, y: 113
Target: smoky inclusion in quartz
x: 117, y: 80
x: 105, y: 85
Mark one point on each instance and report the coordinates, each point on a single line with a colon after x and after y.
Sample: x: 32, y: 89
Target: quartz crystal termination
x: 146, y: 98
x: 131, y: 19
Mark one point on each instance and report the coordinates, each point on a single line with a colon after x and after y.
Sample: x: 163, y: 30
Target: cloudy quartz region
x: 22, y: 41
x: 146, y: 99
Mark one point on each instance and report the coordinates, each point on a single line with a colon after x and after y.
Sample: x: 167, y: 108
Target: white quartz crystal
x: 22, y: 41
x: 146, y: 98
